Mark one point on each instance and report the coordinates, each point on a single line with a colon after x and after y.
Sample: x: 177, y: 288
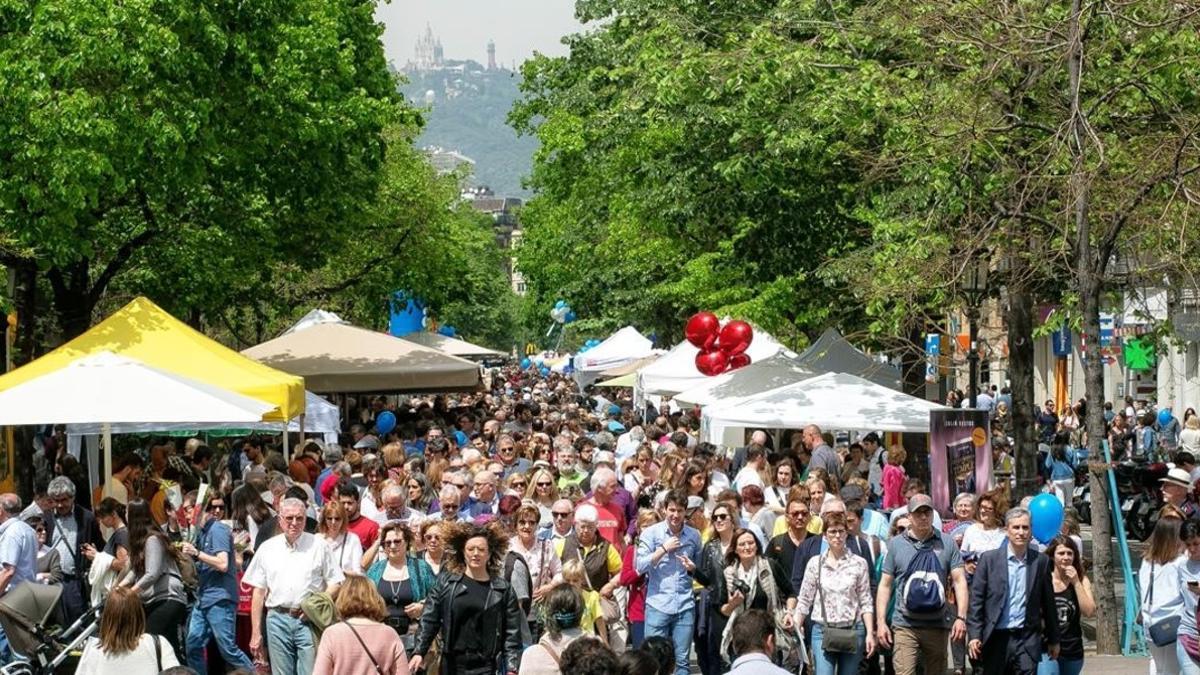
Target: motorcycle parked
x: 1140, y: 509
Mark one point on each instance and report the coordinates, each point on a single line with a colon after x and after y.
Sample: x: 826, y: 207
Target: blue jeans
x: 1186, y: 665
x: 1060, y: 666
x: 833, y: 663
x: 637, y: 633
x: 217, y: 622
x: 677, y: 628
x: 291, y: 645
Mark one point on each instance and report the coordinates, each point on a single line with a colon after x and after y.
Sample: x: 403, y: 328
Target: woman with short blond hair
x: 360, y: 643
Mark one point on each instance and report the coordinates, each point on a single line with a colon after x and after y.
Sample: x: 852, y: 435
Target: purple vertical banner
x: 960, y: 454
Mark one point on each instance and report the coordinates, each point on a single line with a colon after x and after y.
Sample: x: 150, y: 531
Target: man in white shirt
x: 756, y: 457
x: 753, y: 640
x: 285, y: 569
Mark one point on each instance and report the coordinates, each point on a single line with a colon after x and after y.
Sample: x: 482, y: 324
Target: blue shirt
x: 321, y: 481
x: 755, y: 663
x: 216, y: 586
x: 1014, y: 610
x: 668, y: 584
x: 18, y: 550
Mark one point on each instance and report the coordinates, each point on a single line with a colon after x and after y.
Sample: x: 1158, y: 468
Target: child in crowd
x: 893, y: 479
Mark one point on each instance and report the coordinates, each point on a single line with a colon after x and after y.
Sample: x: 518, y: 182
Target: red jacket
x: 636, y: 583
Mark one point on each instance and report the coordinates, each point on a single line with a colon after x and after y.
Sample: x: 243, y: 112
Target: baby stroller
x: 24, y: 613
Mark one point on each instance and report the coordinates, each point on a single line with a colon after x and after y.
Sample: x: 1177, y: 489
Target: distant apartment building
x: 505, y: 224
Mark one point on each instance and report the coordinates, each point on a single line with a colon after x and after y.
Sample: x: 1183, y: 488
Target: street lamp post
x: 974, y: 286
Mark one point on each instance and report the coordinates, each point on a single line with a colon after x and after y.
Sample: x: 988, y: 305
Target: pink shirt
x: 893, y: 486
x: 339, y: 652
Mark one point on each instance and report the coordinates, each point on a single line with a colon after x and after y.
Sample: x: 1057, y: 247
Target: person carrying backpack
x: 922, y: 568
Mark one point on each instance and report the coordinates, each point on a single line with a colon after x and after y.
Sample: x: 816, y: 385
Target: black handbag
x: 1163, y: 632
x: 836, y: 638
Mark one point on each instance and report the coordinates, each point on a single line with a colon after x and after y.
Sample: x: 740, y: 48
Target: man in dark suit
x: 1012, y: 614
x: 74, y: 530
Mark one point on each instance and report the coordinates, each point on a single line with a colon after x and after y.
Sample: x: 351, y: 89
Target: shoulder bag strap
x: 553, y: 656
x: 1150, y: 592
x: 157, y: 651
x: 821, y: 589
x: 378, y: 670
x: 583, y: 564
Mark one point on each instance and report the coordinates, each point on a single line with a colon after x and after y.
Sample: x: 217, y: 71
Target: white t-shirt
x: 979, y: 540
x: 747, y: 476
x: 346, y: 550
x: 289, y: 573
x: 141, y: 661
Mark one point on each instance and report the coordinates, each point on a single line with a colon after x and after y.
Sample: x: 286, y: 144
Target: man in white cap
x: 1177, y: 492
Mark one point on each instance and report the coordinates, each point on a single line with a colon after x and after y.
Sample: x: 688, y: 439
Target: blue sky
x: 519, y: 27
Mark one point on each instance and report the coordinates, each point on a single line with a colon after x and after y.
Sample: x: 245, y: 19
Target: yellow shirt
x: 591, y: 611
x: 815, y: 526
x: 613, y: 559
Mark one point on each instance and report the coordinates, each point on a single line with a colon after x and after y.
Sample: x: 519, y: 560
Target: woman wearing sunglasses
x: 710, y: 573
x: 403, y: 579
x: 544, y: 493
x: 545, y: 568
x: 344, y: 546
x: 433, y: 546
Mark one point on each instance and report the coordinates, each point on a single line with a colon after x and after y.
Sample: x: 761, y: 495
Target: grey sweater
x: 161, y: 581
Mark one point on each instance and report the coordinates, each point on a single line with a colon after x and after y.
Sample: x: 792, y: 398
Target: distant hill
x: 467, y: 106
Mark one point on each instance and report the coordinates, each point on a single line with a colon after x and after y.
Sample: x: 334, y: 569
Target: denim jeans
x: 675, y: 627
x: 215, y: 621
x: 1059, y: 666
x: 833, y: 663
x: 291, y: 645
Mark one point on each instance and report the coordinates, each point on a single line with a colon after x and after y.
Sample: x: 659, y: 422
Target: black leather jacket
x: 501, y: 621
x: 710, y: 573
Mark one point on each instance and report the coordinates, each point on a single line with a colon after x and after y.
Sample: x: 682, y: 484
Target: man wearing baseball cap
x: 1177, y: 492
x: 920, y: 636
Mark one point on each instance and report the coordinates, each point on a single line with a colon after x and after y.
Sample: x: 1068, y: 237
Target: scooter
x: 1143, y: 508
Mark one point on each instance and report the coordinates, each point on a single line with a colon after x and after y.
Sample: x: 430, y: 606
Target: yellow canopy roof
x: 144, y: 331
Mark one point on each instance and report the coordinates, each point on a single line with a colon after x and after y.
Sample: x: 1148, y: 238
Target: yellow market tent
x: 626, y: 380
x: 143, y: 331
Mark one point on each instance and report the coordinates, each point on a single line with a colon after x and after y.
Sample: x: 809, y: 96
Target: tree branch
x: 126, y: 251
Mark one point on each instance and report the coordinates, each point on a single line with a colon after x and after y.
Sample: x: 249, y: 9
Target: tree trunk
x: 1020, y: 372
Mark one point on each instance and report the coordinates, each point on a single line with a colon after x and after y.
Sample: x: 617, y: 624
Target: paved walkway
x: 1114, y: 665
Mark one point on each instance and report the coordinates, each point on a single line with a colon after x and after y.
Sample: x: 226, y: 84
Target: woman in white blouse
x: 344, y: 547
x: 124, y: 647
x: 836, y: 592
x: 987, y: 533
x: 782, y: 480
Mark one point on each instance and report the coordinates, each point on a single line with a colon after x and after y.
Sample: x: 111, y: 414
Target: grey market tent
x: 832, y: 353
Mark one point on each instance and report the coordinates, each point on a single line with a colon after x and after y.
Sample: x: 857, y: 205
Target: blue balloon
x: 545, y: 371
x: 1164, y: 416
x: 447, y: 330
x: 525, y: 363
x: 570, y: 317
x: 560, y: 304
x: 385, y: 422
x: 584, y: 348
x: 1046, y: 517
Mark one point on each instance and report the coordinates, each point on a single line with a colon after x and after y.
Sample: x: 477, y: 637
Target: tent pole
x: 107, y: 430
x: 301, y: 441
x: 287, y: 453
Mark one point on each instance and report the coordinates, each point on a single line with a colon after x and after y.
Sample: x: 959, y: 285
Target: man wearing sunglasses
x: 216, y: 597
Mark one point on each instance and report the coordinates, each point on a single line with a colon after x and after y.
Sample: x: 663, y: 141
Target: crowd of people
x: 538, y: 529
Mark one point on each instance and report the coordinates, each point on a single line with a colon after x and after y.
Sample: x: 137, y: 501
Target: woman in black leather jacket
x: 471, y: 606
x: 710, y: 573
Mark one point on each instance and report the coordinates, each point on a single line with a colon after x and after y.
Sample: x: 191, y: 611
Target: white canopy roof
x: 620, y: 348
x: 771, y: 373
x: 676, y: 370
x: 320, y: 417
x: 830, y: 401
x: 453, y: 346
x: 107, y: 388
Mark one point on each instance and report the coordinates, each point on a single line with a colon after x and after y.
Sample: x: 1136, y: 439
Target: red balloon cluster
x: 721, y: 348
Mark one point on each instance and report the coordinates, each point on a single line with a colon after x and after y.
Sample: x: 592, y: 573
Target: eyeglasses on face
x: 293, y: 519
x: 333, y: 519
x: 720, y: 517
x: 216, y: 507
x: 392, y: 543
x: 798, y: 514
x: 544, y: 483
x: 530, y: 523
x: 433, y: 537
x: 519, y: 483
x: 558, y: 514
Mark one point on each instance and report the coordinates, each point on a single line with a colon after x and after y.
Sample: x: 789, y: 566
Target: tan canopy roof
x: 453, y: 346
x: 335, y: 357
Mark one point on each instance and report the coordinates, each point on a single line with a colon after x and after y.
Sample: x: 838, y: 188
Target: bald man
x: 823, y: 456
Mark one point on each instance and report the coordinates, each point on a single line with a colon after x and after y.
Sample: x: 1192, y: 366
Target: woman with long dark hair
x: 421, y: 494
x: 710, y: 573
x: 1074, y: 600
x: 156, y: 577
x: 471, y: 606
x: 249, y: 513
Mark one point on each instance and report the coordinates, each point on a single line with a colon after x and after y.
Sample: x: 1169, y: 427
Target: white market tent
x: 771, y: 373
x: 676, y: 370
x: 622, y: 347
x: 314, y: 318
x: 320, y: 417
x: 110, y: 389
x: 830, y: 401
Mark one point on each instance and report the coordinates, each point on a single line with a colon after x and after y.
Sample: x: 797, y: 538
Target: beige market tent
x: 631, y: 367
x: 335, y: 357
x: 453, y: 346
